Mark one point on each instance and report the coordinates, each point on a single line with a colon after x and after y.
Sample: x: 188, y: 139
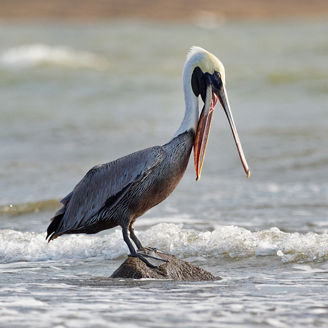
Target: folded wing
x: 103, y: 185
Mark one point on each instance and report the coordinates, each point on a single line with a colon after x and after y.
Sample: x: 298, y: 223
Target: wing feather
x: 105, y: 185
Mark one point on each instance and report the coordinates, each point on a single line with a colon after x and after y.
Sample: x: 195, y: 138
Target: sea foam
x: 41, y: 54
x: 222, y: 242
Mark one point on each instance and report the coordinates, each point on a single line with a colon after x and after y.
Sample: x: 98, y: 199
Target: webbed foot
x: 148, y: 255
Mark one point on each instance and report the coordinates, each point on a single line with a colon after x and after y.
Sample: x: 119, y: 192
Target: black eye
x: 216, y: 80
x: 217, y: 74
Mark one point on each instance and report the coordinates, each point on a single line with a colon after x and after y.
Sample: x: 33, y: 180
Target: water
x: 75, y: 95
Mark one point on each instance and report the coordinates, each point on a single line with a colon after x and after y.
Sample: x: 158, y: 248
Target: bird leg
x: 143, y: 255
x: 134, y: 237
x: 150, y: 252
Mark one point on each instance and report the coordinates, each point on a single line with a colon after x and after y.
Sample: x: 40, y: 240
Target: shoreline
x: 209, y: 13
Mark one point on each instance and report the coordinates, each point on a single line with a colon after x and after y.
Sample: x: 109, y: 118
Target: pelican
x: 117, y: 193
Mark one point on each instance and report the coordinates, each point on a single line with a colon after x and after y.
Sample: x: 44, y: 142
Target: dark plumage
x: 117, y: 193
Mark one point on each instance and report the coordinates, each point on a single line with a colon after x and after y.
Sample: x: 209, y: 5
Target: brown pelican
x: 117, y: 193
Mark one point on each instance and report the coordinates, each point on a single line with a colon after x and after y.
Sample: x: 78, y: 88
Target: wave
x: 29, y: 207
x: 41, y: 54
x: 223, y: 242
x: 289, y: 77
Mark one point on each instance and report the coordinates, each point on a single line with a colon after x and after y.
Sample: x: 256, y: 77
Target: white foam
x: 42, y: 54
x: 224, y: 241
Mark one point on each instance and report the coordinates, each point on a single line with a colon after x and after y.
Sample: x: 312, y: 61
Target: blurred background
x: 181, y: 10
x: 84, y: 82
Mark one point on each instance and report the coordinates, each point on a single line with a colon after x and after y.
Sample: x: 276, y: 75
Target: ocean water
x: 76, y: 95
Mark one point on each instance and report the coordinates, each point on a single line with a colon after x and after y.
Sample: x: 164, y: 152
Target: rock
x: 174, y: 269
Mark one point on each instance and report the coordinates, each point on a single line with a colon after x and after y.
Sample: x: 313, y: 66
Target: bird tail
x: 54, y: 225
x: 56, y: 221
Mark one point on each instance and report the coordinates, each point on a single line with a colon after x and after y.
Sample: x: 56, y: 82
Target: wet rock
x: 174, y: 269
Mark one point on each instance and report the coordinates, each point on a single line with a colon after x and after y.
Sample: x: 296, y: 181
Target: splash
x: 44, y: 55
x: 224, y: 242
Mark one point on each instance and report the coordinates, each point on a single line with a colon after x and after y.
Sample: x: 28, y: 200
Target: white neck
x: 190, y: 119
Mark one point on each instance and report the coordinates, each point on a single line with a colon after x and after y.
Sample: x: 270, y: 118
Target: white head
x: 206, y: 61
x: 204, y: 75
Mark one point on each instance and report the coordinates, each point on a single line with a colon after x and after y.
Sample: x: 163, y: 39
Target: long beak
x: 225, y: 104
x: 203, y: 130
x: 204, y: 125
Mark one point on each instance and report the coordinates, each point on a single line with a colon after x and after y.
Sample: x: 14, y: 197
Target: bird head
x: 208, y: 82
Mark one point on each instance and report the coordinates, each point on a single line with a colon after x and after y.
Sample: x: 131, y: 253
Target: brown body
x: 109, y: 195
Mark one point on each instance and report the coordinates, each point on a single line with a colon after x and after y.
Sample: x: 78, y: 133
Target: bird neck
x: 190, y: 119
